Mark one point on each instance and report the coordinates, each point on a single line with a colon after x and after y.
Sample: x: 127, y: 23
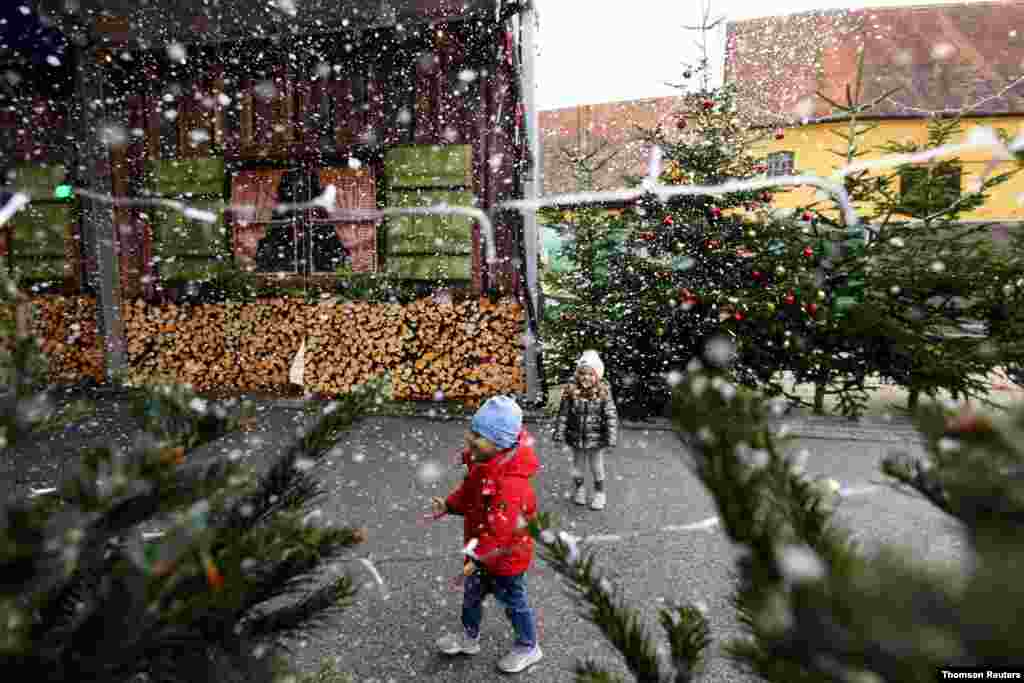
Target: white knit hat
x: 590, y: 359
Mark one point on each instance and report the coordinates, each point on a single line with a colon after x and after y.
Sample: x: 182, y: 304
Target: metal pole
x: 531, y: 189
x: 97, y: 217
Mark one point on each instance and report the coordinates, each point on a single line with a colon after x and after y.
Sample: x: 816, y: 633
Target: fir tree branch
x: 689, y: 637
x: 284, y: 577
x: 312, y: 610
x: 832, y: 621
x: 591, y: 672
x: 621, y: 625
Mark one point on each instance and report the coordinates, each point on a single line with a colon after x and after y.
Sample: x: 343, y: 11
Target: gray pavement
x: 656, y: 539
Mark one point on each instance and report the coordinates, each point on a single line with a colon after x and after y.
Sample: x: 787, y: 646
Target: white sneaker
x: 581, y: 495
x: 598, y: 502
x: 453, y: 644
x: 520, y: 658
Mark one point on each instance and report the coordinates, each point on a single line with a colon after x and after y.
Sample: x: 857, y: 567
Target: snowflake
x: 429, y: 473
x: 176, y: 52
x: 800, y: 564
x: 720, y: 351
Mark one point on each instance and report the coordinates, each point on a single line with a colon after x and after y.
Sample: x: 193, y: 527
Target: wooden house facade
x: 404, y: 103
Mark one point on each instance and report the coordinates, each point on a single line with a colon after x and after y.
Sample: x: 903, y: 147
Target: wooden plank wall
x: 404, y: 96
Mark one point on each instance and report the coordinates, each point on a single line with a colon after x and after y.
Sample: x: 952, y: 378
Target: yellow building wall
x: 811, y: 145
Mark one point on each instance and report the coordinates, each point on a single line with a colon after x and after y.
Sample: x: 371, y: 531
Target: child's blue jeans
x: 510, y: 591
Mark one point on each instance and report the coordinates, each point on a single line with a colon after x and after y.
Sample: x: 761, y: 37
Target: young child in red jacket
x: 495, y: 501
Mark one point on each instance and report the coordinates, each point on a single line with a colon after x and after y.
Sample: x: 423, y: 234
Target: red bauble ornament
x: 969, y: 422
x: 668, y: 220
x: 812, y: 308
x: 806, y: 216
x: 707, y: 104
x: 808, y: 252
x: 716, y: 212
x: 737, y: 315
x: 756, y: 274
x: 688, y: 297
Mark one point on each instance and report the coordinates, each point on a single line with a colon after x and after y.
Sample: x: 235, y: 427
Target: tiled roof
x: 590, y: 127
x: 941, y: 57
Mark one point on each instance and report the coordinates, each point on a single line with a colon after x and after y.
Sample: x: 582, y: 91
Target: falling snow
x: 193, y: 110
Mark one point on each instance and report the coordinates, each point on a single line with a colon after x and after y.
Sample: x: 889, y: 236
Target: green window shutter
x: 39, y: 181
x: 39, y: 230
x: 429, y: 166
x: 435, y: 234
x: 180, y: 235
x: 429, y: 247
x: 176, y: 178
x: 188, y: 249
x: 431, y: 267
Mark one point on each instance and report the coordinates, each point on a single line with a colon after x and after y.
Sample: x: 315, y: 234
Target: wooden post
x: 98, y: 229
x: 22, y: 316
x: 531, y: 186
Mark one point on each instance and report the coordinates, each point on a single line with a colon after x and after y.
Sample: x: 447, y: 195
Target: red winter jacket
x: 495, y: 500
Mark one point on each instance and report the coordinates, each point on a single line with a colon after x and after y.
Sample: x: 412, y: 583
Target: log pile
x: 248, y: 347
x: 467, y: 351
x: 349, y: 343
x: 67, y: 332
x: 264, y: 338
x: 180, y: 343
x: 463, y: 351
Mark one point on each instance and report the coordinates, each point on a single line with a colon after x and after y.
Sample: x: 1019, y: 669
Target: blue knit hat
x: 499, y: 420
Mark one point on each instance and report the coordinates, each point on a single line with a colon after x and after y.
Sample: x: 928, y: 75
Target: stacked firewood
x: 246, y: 346
x: 67, y: 333
x: 464, y: 351
x: 266, y: 338
x: 349, y: 343
x: 179, y: 343
x: 461, y: 351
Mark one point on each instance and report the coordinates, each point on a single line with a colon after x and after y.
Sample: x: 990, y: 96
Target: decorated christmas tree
x: 590, y: 235
x: 895, y: 293
x: 163, y: 561
x: 649, y: 299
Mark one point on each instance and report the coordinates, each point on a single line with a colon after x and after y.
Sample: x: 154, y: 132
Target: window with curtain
x: 780, y: 163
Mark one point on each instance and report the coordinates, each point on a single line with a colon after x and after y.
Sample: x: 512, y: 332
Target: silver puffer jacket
x: 587, y: 423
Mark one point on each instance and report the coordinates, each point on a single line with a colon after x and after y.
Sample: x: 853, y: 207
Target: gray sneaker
x: 520, y: 658
x: 599, y: 501
x: 581, y: 495
x: 453, y: 644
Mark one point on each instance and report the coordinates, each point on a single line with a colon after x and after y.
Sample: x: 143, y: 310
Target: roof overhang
x: 155, y: 22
